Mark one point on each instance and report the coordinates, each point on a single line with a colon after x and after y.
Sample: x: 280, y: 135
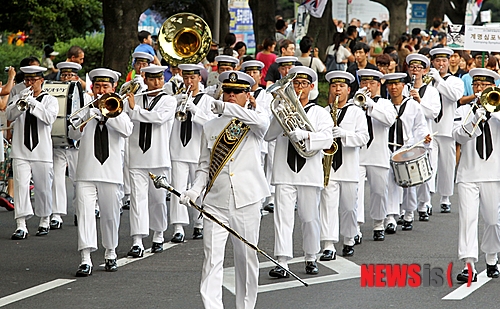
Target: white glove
x: 95, y: 111
x: 32, y: 102
x: 186, y: 196
x: 339, y: 132
x: 191, y: 107
x: 180, y: 98
x: 369, y: 102
x: 218, y: 107
x: 25, y: 92
x: 434, y: 73
x: 360, y: 91
x: 298, y: 135
x: 480, y: 114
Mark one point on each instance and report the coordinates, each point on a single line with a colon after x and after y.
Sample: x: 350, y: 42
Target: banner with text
x: 482, y: 38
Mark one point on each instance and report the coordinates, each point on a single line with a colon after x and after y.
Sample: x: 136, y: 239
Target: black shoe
x: 97, y: 214
x: 197, y: 233
x: 84, y: 270
x: 348, y: 250
x: 110, y: 265
x: 358, y: 240
x: 423, y: 216
x: 328, y: 255
x: 121, y: 211
x: 42, y: 231
x: 378, y: 235
x: 269, y: 207
x: 492, y: 271
x: 136, y: 252
x: 401, y: 220
x: 157, y: 247
x: 311, y: 268
x: 391, y: 228
x: 445, y: 208
x: 429, y: 210
x: 464, y: 276
x: 278, y: 272
x: 75, y: 220
x: 407, y: 225
x: 168, y: 196
x: 126, y: 205
x: 178, y: 238
x: 55, y: 224
x: 19, y: 234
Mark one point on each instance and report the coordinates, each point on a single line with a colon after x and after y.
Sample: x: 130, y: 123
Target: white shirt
x: 451, y: 90
x: 414, y: 124
x: 264, y: 100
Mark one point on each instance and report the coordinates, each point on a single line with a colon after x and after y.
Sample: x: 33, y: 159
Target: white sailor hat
x: 369, y: 74
x: 236, y: 80
x: 442, y: 52
x: 54, y: 53
x: 103, y: 75
x: 286, y: 61
x: 305, y: 73
x: 393, y: 78
x: 251, y: 65
x: 190, y: 69
x: 339, y: 77
x: 33, y: 71
x: 142, y: 57
x: 154, y: 71
x: 118, y: 73
x: 67, y: 66
x: 418, y: 59
x: 481, y: 74
x: 226, y: 61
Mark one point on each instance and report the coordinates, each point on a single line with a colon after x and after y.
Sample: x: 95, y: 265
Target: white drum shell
x: 411, y: 168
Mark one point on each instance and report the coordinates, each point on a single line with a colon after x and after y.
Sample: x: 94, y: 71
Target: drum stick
x: 5, y: 129
x: 394, y: 144
x: 421, y: 142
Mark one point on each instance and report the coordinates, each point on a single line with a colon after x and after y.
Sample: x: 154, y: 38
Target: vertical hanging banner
x: 315, y: 7
x: 241, y: 23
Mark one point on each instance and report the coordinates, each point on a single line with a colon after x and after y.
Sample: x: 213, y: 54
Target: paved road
x: 171, y: 279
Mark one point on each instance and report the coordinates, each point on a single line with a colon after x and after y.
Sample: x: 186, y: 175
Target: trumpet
x: 427, y: 79
x: 330, y: 152
x: 110, y: 105
x: 181, y: 113
x: 490, y: 100
x: 360, y: 98
x: 22, y: 103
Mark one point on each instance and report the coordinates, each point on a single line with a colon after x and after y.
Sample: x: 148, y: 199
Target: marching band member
x: 234, y: 138
x: 258, y: 96
x: 374, y: 158
x: 149, y: 153
x: 98, y: 175
x: 224, y: 63
x: 430, y: 102
x: 451, y: 89
x: 32, y: 151
x: 185, y: 148
x: 298, y: 180
x: 175, y: 84
x: 478, y: 179
x: 65, y: 156
x: 409, y: 128
x: 141, y: 60
x: 338, y: 198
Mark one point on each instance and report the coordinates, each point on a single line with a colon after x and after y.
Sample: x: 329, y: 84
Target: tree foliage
x: 48, y: 21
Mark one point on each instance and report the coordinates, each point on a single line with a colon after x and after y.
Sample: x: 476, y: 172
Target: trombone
x: 490, y: 100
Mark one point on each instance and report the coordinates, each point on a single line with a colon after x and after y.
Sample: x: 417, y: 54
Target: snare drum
x: 70, y: 98
x: 411, y: 167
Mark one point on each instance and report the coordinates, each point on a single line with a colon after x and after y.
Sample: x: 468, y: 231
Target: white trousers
x: 377, y: 180
x: 110, y: 202
x: 338, y: 208
x: 148, y: 207
x: 63, y: 158
x: 394, y: 196
x: 42, y: 174
x: 444, y: 153
x: 471, y: 198
x: 307, y: 199
x: 246, y: 222
x: 183, y: 173
x: 126, y: 173
x: 268, y: 168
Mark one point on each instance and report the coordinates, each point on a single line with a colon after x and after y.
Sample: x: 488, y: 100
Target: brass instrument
x: 22, y: 103
x: 489, y: 100
x: 330, y: 152
x: 360, y: 98
x: 181, y: 113
x: 130, y: 87
x: 427, y: 79
x: 289, y: 112
x: 110, y: 105
x: 184, y: 38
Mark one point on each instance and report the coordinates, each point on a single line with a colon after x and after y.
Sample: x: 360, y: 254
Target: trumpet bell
x: 184, y: 38
x: 181, y: 116
x: 490, y: 99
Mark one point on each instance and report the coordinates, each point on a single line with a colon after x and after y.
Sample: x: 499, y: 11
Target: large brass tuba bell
x: 184, y: 38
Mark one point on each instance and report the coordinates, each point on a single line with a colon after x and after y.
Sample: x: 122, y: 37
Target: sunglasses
x: 231, y: 90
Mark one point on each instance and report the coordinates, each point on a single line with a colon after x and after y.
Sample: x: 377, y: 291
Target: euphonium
x: 330, y: 152
x: 489, y: 100
x: 289, y: 112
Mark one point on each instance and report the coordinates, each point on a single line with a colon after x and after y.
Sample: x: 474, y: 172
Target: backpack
x: 332, y: 64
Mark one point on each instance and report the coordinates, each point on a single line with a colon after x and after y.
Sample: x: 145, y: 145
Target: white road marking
x: 464, y: 291
x: 33, y: 291
x: 344, y: 268
x: 147, y: 253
